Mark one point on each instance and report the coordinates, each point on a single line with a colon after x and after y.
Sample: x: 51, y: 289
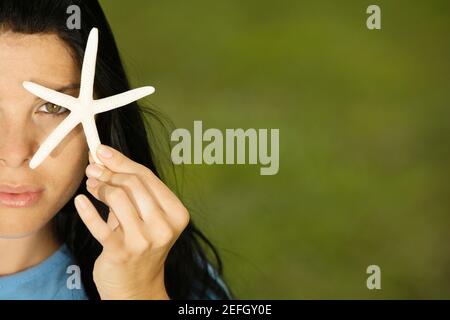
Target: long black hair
x: 193, y: 267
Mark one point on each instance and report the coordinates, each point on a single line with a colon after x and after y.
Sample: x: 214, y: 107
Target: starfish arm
x: 53, y: 140
x: 50, y: 95
x: 88, y: 68
x: 121, y: 99
x: 93, y: 140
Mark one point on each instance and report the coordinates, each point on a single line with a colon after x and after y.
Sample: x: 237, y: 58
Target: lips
x: 19, y: 196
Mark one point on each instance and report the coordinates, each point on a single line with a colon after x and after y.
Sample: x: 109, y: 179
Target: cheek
x: 72, y: 151
x: 65, y: 168
x: 61, y: 174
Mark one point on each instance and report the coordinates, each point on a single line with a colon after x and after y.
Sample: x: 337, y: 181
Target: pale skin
x: 145, y: 218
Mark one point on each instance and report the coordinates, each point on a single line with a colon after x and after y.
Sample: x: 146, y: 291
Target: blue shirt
x: 49, y: 280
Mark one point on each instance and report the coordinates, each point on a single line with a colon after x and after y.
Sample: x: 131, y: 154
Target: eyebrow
x: 68, y: 87
x: 62, y: 89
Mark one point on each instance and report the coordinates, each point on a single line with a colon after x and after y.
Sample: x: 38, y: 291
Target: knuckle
x: 132, y: 180
x: 165, y: 235
x: 115, y: 194
x: 139, y: 245
x: 107, y: 175
x: 141, y: 168
x: 185, y: 217
x: 182, y: 216
x: 119, y: 160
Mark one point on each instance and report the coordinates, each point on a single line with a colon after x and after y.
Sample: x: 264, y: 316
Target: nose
x: 16, y: 146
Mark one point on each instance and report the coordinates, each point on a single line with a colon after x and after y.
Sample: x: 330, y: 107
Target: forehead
x: 41, y: 58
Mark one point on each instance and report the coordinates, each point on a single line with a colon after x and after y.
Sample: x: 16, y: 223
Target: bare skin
x: 25, y: 236
x: 145, y: 218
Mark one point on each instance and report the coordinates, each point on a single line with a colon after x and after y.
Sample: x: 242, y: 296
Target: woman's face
x: 25, y: 122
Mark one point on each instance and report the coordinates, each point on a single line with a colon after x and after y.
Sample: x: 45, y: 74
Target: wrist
x: 149, y: 293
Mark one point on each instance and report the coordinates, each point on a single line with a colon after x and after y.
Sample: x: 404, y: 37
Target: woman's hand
x: 144, y: 221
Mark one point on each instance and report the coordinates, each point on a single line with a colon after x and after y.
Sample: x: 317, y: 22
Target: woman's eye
x: 52, y: 109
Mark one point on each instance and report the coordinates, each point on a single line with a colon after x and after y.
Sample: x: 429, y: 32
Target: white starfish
x: 82, y: 109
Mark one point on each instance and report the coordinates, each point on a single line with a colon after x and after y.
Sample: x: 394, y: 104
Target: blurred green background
x: 364, y: 127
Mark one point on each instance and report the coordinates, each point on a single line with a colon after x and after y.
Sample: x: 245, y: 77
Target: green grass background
x: 364, y: 128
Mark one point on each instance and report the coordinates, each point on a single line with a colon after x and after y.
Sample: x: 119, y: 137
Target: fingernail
x: 92, y: 182
x: 104, y: 152
x: 81, y: 202
x: 94, y: 171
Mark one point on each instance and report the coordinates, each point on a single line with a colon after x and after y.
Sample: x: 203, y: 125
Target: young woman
x: 121, y: 228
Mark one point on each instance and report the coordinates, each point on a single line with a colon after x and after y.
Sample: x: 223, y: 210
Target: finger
x: 118, y: 201
x: 142, y: 198
x: 169, y: 202
x: 161, y: 233
x: 91, y: 218
x: 112, y: 221
x: 117, y: 161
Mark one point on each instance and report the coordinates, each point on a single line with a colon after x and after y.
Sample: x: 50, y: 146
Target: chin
x: 20, y: 223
